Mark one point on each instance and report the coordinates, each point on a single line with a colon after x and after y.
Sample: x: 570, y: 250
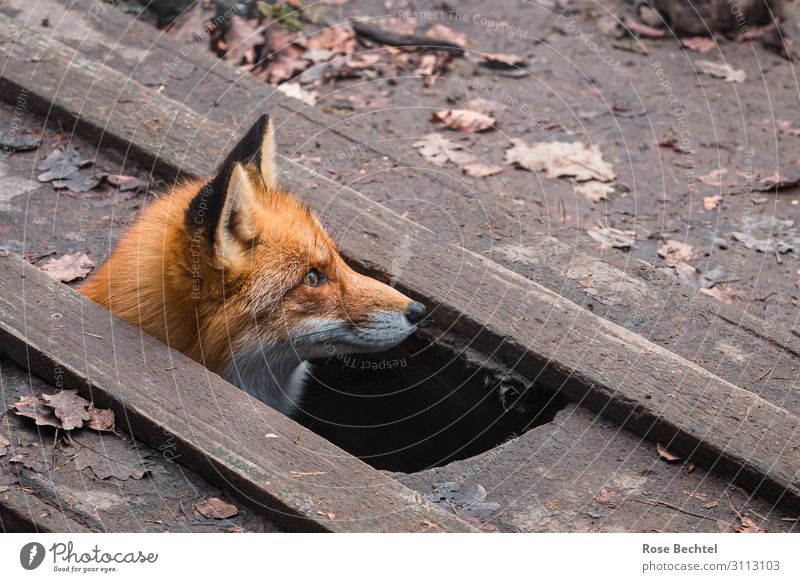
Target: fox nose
x: 415, y: 312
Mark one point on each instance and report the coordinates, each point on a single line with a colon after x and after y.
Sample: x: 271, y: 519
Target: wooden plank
x: 21, y: 512
x: 163, y: 397
x: 760, y: 356
x: 520, y: 323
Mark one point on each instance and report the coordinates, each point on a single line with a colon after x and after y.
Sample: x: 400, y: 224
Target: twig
x: 412, y: 42
x: 658, y: 502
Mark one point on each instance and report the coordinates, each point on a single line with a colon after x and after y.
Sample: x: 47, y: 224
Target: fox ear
x: 257, y: 150
x: 221, y: 214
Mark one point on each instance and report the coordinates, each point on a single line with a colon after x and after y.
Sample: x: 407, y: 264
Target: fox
x: 238, y: 274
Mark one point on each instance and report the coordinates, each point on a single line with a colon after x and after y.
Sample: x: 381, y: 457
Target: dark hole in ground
x: 420, y: 405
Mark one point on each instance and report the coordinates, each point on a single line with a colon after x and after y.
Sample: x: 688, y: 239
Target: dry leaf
x: 4, y: 444
x: 673, y: 252
x: 283, y: 67
x: 464, y: 120
x: 560, y: 158
x: 481, y: 170
x: 337, y: 39
x: 439, y: 150
x: 747, y: 525
x: 722, y: 294
x: 445, y: 33
x: 108, y: 456
x: 68, y: 267
x: 33, y: 457
x: 367, y: 60
x: 295, y: 91
x: 36, y: 408
x: 69, y: 407
x: 714, y: 178
x: 504, y: 61
x: 427, y: 64
x: 100, y: 418
x: 721, y: 71
x: 594, y: 191
x: 641, y: 29
x: 608, y: 498
x: 612, y: 237
x: 665, y: 454
x: 215, y: 508
x: 788, y: 178
x: 700, y: 44
x: 125, y: 183
x: 711, y: 202
x: 241, y: 38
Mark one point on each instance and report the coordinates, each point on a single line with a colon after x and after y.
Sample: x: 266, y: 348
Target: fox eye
x: 314, y: 278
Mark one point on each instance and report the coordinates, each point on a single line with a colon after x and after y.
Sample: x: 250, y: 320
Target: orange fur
x: 212, y: 300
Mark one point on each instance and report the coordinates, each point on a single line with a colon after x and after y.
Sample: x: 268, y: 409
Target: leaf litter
x: 558, y: 159
x: 69, y: 267
x: 215, y: 508
x: 65, y: 410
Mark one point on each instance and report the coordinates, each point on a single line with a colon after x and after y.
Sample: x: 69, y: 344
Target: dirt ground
x: 689, y: 152
x: 677, y: 138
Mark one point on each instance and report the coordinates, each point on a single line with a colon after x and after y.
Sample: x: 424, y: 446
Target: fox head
x: 247, y: 281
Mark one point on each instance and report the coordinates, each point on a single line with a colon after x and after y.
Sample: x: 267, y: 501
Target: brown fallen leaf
x: 215, y: 508
x: 464, y: 120
x: 613, y: 237
x: 241, y: 38
x: 296, y: 91
x: 33, y: 457
x: 338, y: 39
x: 36, y: 408
x: 674, y: 252
x: 68, y: 267
x: 608, y: 498
x: 367, y: 60
x: 711, y: 202
x: 69, y: 407
x: 283, y: 67
x: 594, y: 191
x: 700, y: 44
x: 108, y: 456
x: 125, y: 183
x: 723, y: 294
x: 442, y: 32
x: 504, y: 61
x: 427, y: 64
x: 4, y: 444
x: 100, y: 419
x: 438, y: 150
x: 641, y: 29
x: 714, y: 177
x: 559, y: 158
x: 481, y: 170
x: 747, y: 525
x: 721, y: 71
x: 665, y: 454
x: 789, y: 177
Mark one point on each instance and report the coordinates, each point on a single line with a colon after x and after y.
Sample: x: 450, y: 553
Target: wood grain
x: 518, y: 322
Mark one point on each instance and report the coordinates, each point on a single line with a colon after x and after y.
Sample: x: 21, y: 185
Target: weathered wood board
x: 160, y: 396
x: 540, y: 334
x: 758, y: 355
